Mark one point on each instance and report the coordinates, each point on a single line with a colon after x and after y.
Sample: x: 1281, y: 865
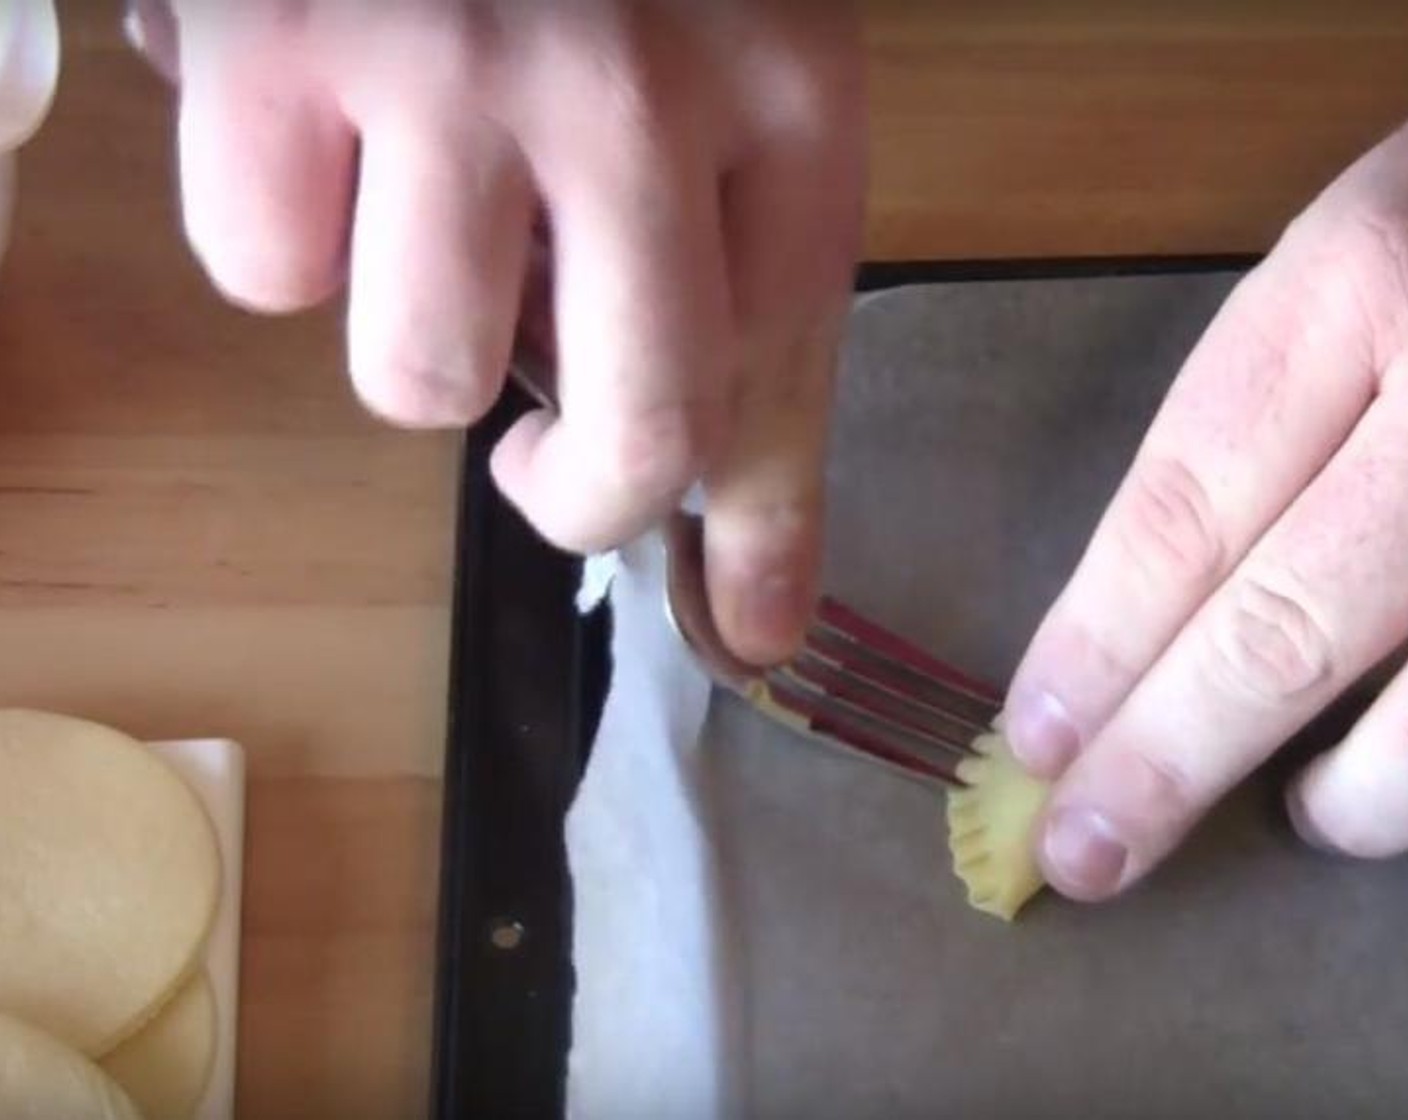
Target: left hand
x: 1252, y: 566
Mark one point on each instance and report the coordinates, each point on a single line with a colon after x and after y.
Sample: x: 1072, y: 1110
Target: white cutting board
x: 214, y: 768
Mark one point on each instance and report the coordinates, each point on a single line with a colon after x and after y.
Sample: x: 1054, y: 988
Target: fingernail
x: 150, y: 27
x: 771, y: 613
x: 132, y: 28
x: 1081, y: 847
x: 1299, y: 815
x: 1040, y: 731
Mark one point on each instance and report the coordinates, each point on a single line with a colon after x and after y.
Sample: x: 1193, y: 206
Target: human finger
x: 266, y: 157
x: 1272, y: 389
x: 437, y: 264
x: 1319, y: 600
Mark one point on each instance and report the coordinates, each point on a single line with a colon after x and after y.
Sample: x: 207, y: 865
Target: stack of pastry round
x: 109, y: 883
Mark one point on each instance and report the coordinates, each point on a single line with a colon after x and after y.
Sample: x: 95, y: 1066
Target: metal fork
x: 853, y: 684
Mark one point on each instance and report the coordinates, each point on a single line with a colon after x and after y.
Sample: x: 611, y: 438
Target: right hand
x: 700, y: 168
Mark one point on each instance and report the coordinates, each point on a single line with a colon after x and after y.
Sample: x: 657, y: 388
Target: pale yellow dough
x: 990, y: 820
x: 165, y: 1066
x: 990, y: 828
x: 109, y: 879
x: 42, y: 1079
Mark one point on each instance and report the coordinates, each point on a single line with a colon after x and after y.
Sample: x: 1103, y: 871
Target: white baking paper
x: 649, y: 1026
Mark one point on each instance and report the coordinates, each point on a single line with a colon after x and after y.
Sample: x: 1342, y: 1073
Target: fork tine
x: 848, y: 728
x: 836, y: 616
x: 864, y: 687
x: 917, y: 715
x: 884, y: 659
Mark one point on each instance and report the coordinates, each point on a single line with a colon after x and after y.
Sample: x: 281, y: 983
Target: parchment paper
x: 981, y: 429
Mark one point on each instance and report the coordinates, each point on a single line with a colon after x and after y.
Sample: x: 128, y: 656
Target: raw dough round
x: 109, y: 879
x: 165, y: 1066
x: 42, y: 1079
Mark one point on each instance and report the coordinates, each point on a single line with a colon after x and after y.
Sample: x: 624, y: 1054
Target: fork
x: 853, y: 684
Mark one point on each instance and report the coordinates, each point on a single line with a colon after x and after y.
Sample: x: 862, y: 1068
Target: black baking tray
x: 528, y: 678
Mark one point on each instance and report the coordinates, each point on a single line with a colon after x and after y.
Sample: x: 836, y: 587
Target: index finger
x: 643, y: 337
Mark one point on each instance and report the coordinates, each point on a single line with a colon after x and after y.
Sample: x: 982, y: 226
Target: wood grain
x: 201, y: 533
x: 1035, y: 128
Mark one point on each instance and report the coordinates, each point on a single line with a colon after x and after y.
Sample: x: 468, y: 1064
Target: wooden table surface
x: 200, y: 534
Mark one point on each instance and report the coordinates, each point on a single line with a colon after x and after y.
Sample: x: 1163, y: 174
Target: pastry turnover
x: 990, y: 821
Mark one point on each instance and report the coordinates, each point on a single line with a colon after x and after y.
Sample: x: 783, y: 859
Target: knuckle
x: 1267, y: 644
x: 658, y: 454
x: 1168, y: 530
x: 1359, y: 274
x: 634, y: 97
x: 1163, y: 790
x: 1373, y: 238
x: 1104, y: 651
x: 797, y: 96
x: 761, y: 540
x: 454, y: 46
x: 1382, y: 277
x: 788, y: 524
x: 810, y: 78
x: 632, y: 88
